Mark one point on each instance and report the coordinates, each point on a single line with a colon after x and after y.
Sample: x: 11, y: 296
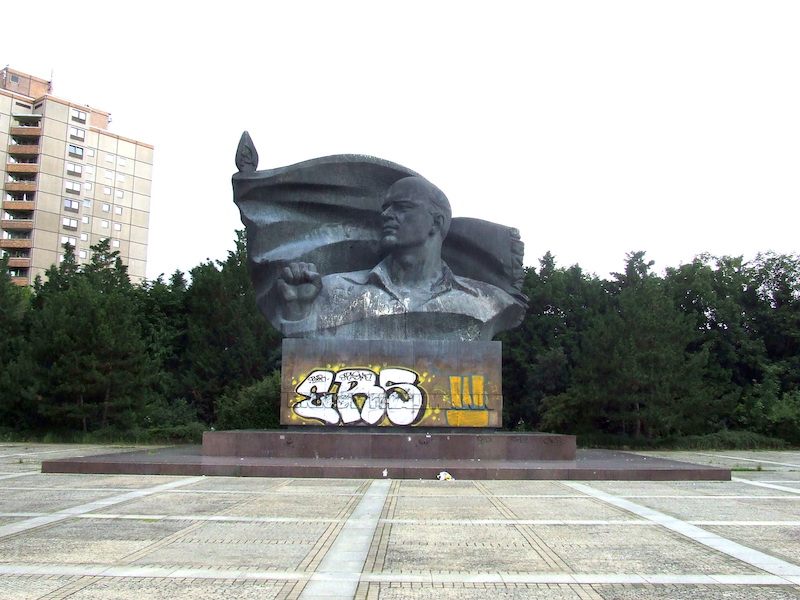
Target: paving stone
x: 118, y: 589
x: 776, y: 540
x: 724, y: 509
x: 425, y: 539
x: 239, y: 484
x: 227, y: 555
x: 613, y: 549
x: 289, y: 506
x: 323, y: 487
x: 528, y: 488
x: 434, y: 487
x: 661, y: 488
x: 80, y: 542
x: 12, y: 500
x: 91, y: 482
x: 78, y: 552
x: 565, y: 509
x: 177, y: 503
x: 30, y: 588
x: 299, y: 531
x: 450, y: 547
x: 692, y: 592
x: 445, y: 507
x: 427, y: 592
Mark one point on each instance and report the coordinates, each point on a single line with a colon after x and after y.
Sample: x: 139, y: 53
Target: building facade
x: 67, y: 179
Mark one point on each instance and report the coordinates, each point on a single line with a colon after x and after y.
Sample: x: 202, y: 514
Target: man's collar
x: 379, y: 276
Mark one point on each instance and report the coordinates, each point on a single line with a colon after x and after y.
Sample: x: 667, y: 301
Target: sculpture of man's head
x: 415, y: 212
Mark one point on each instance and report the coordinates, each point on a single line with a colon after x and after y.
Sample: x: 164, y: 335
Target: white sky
x: 596, y: 128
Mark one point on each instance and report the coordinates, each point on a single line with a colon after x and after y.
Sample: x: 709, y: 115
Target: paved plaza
x: 115, y: 537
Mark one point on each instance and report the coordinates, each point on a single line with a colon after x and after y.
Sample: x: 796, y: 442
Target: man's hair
x: 423, y: 189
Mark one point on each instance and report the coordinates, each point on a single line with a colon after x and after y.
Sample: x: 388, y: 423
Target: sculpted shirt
x: 367, y: 305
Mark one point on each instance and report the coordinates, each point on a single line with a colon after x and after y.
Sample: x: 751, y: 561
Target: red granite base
x: 213, y: 460
x: 410, y: 444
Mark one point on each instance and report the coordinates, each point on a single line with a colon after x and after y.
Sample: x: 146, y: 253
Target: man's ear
x: 438, y: 223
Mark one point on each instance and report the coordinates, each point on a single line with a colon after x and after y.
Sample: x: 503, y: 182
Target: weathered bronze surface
x: 355, y: 247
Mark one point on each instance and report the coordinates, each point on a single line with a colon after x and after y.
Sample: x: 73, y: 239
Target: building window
x: 87, y: 203
x: 120, y: 178
x: 78, y: 115
x: 82, y: 254
x: 74, y: 169
x: 65, y: 239
x: 115, y: 243
x: 89, y: 169
x: 122, y: 162
x: 15, y: 235
x: 104, y: 224
x: 73, y: 187
x: 71, y: 204
x: 106, y: 190
x: 14, y: 78
x: 117, y: 210
x: 84, y: 237
x: 119, y: 193
x: 90, y: 152
x: 75, y: 151
x: 69, y: 223
x: 117, y: 227
x: 85, y: 219
x: 106, y: 207
x: 108, y: 174
x: 77, y: 134
x: 109, y: 158
x: 87, y: 185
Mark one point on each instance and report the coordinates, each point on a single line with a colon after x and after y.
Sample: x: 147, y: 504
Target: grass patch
x: 721, y: 440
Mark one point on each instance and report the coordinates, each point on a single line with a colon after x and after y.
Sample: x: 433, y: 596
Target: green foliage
x: 633, y: 374
x: 93, y: 366
x: 706, y: 356
x: 720, y: 440
x: 538, y: 356
x: 18, y: 386
x: 229, y: 345
x: 729, y: 440
x: 256, y: 406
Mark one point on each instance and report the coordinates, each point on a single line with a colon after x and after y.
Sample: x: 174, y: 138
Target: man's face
x: 407, y: 219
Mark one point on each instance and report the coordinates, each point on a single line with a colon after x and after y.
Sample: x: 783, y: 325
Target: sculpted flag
x: 327, y: 211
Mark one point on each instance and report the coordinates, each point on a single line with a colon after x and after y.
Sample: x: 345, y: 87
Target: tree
x: 633, y: 372
x: 538, y: 355
x: 229, y: 344
x: 94, y: 368
x: 17, y: 384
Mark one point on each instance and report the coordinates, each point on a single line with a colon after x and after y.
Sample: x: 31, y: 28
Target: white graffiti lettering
x: 361, y: 394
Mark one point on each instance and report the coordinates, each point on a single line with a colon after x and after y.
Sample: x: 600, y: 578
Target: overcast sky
x: 597, y: 128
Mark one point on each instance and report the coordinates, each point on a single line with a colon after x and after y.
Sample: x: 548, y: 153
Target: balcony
x: 27, y: 131
x: 23, y: 149
x: 20, y: 281
x: 19, y: 263
x: 18, y: 205
x: 17, y: 224
x: 22, y: 167
x: 20, y: 186
x: 17, y: 243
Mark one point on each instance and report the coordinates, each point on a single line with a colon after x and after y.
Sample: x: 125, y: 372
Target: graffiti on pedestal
x: 388, y: 396
x: 350, y: 396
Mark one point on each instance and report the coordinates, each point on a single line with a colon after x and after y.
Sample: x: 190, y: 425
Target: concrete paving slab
x: 121, y: 537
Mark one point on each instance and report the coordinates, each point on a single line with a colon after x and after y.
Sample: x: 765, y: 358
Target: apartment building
x: 67, y: 179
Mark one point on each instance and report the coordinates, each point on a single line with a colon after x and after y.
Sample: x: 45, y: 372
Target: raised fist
x: 298, y: 285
